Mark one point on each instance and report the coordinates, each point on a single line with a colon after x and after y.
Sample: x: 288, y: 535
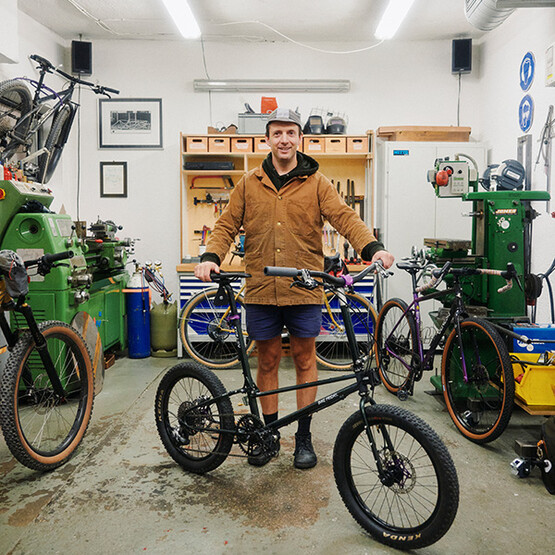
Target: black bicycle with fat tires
x: 393, y: 472
x: 47, y: 383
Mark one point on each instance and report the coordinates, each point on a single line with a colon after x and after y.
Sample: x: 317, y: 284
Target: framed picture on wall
x: 130, y: 123
x: 113, y: 179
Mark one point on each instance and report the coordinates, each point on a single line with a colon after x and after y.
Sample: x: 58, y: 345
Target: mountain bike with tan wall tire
x: 476, y: 372
x: 47, y: 384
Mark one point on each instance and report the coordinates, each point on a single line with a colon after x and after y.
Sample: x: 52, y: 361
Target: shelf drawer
x: 219, y: 144
x: 241, y: 144
x: 357, y: 145
x: 313, y: 145
x: 336, y: 144
x: 197, y: 144
x: 260, y: 145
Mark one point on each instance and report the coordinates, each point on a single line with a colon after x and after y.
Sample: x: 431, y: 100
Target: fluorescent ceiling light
x: 392, y: 18
x: 183, y: 18
x: 269, y: 85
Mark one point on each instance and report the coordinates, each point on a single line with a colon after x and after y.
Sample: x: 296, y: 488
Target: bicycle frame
x: 363, y: 378
x: 426, y: 357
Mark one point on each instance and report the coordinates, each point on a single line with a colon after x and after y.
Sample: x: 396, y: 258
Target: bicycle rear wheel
x: 207, y: 333
x: 411, y: 498
x: 332, y: 348
x: 481, y: 405
x: 396, y: 342
x: 41, y: 429
x: 15, y: 104
x: 54, y: 143
x: 188, y: 422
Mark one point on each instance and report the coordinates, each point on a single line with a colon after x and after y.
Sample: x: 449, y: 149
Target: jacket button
x: 279, y: 197
x: 278, y: 250
x: 279, y: 223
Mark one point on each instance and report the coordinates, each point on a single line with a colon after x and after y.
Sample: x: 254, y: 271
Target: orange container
x: 260, y: 145
x: 219, y: 144
x: 197, y: 144
x: 241, y: 144
x: 314, y: 145
x: 336, y: 144
x: 357, y: 145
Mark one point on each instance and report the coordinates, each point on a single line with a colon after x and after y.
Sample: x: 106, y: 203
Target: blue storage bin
x: 534, y: 331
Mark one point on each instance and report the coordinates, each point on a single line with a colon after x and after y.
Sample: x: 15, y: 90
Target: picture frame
x: 130, y: 123
x: 113, y: 179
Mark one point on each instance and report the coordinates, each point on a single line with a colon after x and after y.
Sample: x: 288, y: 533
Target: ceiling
x: 321, y: 21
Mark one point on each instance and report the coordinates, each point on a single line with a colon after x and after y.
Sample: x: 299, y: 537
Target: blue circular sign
x: 526, y: 113
x: 527, y: 70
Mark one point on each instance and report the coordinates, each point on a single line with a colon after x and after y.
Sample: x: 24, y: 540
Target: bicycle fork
x: 42, y: 349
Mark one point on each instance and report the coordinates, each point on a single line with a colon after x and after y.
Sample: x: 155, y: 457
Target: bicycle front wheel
x: 41, y: 428
x: 396, y: 343
x: 15, y: 104
x: 402, y: 487
x: 190, y: 420
x: 206, y: 332
x: 55, y: 143
x: 478, y: 383
x: 332, y: 348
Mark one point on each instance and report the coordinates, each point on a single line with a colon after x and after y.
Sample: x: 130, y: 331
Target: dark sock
x: 304, y: 425
x: 269, y: 418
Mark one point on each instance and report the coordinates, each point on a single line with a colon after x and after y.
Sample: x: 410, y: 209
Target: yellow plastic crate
x: 534, y: 383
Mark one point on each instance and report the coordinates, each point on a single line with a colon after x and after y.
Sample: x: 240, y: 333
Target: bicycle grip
x: 115, y: 91
x: 50, y: 258
x: 279, y: 271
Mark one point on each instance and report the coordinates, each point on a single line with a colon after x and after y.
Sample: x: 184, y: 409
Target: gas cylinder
x: 137, y: 304
x: 163, y: 329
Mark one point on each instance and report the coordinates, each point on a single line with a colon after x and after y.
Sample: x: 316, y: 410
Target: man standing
x: 281, y: 206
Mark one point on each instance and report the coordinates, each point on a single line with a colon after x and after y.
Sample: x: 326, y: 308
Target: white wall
x: 394, y: 84
x: 525, y: 30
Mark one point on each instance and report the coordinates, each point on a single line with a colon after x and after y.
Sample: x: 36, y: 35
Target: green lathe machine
x: 90, y: 285
x: 501, y: 231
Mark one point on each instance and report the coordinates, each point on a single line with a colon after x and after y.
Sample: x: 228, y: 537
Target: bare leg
x: 269, y: 356
x: 303, y: 350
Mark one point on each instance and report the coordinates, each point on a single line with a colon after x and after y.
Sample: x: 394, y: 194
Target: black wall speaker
x: 81, y: 57
x: 461, y: 58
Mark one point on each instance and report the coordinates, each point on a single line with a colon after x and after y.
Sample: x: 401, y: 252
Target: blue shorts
x: 267, y: 321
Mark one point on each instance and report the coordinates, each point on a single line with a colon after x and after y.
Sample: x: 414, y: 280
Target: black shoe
x: 305, y: 457
x: 260, y: 457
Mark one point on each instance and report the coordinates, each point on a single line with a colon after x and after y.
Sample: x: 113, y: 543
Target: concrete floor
x: 121, y: 493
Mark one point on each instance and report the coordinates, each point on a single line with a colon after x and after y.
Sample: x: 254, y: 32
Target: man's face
x: 284, y: 139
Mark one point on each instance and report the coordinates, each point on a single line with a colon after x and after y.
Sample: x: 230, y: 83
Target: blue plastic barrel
x: 137, y: 304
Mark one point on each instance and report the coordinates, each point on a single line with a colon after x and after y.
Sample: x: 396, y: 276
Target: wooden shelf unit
x: 195, y: 212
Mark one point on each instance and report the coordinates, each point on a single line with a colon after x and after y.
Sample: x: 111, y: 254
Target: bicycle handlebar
x: 44, y: 263
x: 508, y: 275
x: 47, y: 66
x: 339, y: 281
